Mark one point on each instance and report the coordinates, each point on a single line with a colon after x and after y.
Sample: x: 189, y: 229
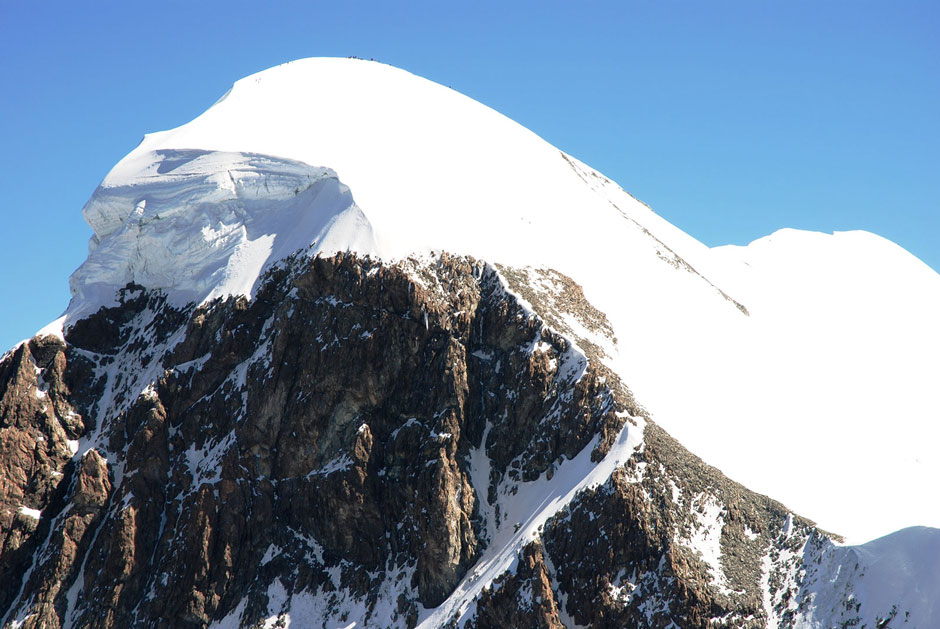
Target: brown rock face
x: 309, y: 451
x: 521, y: 599
x: 36, y: 426
x: 624, y: 553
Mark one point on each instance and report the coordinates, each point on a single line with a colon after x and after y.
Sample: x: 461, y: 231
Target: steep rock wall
x: 308, y: 453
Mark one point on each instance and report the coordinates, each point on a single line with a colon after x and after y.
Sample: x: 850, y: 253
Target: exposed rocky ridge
x: 35, y: 452
x: 309, y: 451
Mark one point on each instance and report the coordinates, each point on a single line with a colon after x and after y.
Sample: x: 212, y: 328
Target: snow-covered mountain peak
x: 432, y: 169
x: 781, y: 363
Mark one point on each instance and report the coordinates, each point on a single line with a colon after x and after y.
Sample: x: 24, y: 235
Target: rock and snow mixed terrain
x: 829, y: 378
x: 802, y: 366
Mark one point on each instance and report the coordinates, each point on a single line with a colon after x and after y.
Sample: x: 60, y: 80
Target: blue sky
x: 731, y: 119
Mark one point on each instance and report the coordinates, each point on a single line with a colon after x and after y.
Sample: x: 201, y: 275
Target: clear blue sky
x: 731, y: 119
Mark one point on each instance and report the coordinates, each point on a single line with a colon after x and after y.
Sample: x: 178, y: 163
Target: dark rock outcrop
x: 311, y: 448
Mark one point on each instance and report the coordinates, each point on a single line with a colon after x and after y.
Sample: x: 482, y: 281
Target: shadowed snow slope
x: 801, y: 365
x: 898, y: 571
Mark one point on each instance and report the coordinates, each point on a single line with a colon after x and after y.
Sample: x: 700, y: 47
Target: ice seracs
x: 802, y: 365
x: 204, y: 224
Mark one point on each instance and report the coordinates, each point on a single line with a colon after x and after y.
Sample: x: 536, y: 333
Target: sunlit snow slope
x: 803, y: 365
